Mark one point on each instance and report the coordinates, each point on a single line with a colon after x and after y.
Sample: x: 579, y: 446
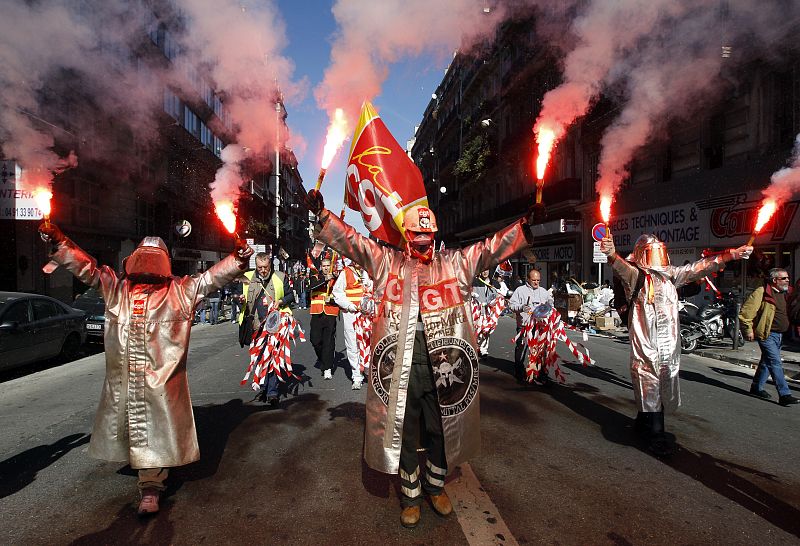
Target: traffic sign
x: 597, y: 256
x: 599, y: 231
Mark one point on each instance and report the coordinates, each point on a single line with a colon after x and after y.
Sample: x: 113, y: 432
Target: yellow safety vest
x: 277, y: 284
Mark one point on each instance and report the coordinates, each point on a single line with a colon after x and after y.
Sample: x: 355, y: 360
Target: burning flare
x: 337, y: 133
x: 605, y: 208
x: 226, y: 215
x: 768, y: 208
x: 42, y: 196
x: 546, y: 139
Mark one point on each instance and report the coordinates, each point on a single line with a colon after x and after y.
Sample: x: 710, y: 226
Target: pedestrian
x: 323, y: 317
x: 236, y: 295
x: 145, y: 412
x: 650, y: 285
x: 213, y: 305
x: 423, y: 376
x: 523, y: 301
x: 264, y: 287
x: 764, y: 317
x: 303, y: 282
x: 484, y: 293
x: 348, y: 291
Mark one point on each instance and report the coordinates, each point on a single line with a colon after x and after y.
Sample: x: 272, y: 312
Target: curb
x: 791, y: 368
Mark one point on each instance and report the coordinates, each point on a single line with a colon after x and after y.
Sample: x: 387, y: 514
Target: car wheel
x: 71, y: 347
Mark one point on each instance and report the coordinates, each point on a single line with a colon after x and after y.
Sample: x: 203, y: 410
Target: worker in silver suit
x: 650, y: 284
x: 145, y: 413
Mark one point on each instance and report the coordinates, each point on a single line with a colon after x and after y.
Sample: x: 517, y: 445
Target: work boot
x: 149, y: 503
x: 272, y: 401
x: 641, y: 427
x: 441, y: 504
x: 409, y: 517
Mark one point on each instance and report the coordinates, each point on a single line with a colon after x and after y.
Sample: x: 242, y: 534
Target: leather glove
x: 607, y: 246
x: 314, y: 202
x: 742, y: 253
x: 50, y: 232
x: 537, y: 214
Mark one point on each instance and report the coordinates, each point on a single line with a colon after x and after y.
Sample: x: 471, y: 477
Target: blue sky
x: 310, y: 27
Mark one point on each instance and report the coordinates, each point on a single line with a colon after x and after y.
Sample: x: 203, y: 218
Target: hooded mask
x: 650, y: 253
x: 150, y: 259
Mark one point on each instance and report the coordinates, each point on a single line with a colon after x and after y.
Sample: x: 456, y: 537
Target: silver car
x: 35, y: 327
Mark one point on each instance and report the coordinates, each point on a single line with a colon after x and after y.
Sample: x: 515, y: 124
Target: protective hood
x: 150, y: 259
x: 650, y: 253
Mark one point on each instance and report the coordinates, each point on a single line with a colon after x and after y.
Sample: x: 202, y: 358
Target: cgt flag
x: 382, y: 181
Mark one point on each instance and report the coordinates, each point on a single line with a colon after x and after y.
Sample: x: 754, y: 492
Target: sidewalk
x: 748, y: 355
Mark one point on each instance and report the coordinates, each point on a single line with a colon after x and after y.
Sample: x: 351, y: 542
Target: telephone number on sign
x: 22, y: 212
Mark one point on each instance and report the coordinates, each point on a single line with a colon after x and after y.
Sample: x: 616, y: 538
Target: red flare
x: 605, y: 208
x: 226, y: 215
x: 337, y: 133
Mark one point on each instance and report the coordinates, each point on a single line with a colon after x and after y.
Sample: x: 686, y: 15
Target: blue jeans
x: 214, y: 304
x: 270, y: 384
x: 770, y: 364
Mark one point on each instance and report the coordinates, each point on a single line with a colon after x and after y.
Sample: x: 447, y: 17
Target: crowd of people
x: 419, y: 308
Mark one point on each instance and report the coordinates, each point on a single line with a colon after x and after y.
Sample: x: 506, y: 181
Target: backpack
x: 620, y: 302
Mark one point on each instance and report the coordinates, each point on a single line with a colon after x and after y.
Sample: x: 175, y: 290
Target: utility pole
x: 277, y: 168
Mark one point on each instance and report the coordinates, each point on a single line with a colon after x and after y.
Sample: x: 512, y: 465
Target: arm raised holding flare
x: 149, y: 314
x: 424, y: 361
x: 653, y: 327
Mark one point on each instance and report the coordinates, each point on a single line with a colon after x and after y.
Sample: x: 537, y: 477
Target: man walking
x: 522, y: 302
x: 263, y: 287
x: 764, y: 317
x: 347, y: 293
x: 323, y: 317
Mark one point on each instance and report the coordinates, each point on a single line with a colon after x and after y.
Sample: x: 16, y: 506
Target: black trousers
x: 422, y: 426
x: 323, y: 338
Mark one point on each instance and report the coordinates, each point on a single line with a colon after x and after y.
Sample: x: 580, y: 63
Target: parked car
x: 34, y: 327
x: 93, y: 304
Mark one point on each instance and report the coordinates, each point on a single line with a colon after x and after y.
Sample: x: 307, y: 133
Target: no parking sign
x: 599, y: 231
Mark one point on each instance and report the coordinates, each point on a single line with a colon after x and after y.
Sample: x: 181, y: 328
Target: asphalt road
x: 559, y: 464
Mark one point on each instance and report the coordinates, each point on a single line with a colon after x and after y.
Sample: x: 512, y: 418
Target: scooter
x: 712, y: 323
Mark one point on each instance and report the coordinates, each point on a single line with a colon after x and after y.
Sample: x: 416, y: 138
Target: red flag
x: 382, y: 181
x: 312, y: 269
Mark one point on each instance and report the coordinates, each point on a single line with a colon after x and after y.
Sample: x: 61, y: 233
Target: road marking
x: 478, y: 516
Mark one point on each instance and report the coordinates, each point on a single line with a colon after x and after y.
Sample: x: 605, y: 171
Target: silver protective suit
x: 145, y: 412
x: 655, y: 330
x: 439, y: 292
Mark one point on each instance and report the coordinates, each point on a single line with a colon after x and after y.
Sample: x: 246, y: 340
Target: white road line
x: 478, y: 516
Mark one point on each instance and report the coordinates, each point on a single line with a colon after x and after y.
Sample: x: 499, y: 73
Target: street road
x: 559, y: 464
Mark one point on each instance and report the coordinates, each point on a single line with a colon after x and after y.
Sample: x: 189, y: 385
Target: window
x: 44, y: 309
x: 217, y: 146
x: 206, y: 136
x: 191, y: 122
x: 145, y: 218
x: 172, y: 104
x: 18, y: 312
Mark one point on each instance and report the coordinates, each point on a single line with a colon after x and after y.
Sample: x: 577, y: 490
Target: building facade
x: 697, y: 186
x: 133, y: 183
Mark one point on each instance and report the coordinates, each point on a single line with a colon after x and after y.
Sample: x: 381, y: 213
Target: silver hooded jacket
x: 145, y: 412
x: 439, y: 292
x: 654, y: 328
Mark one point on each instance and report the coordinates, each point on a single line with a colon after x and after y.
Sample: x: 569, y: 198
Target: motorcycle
x: 711, y: 323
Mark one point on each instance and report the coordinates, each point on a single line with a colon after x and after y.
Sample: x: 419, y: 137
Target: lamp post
x: 277, y: 168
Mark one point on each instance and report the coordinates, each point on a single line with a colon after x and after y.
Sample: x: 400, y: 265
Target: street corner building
x: 439, y: 294
x: 145, y: 412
